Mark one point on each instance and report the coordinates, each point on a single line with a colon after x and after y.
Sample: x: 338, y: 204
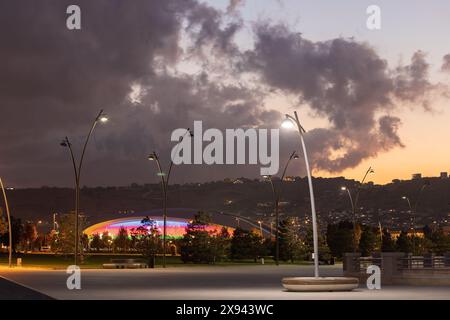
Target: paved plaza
x: 202, y: 282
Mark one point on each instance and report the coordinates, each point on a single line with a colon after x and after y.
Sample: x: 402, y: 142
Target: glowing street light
x: 277, y: 197
x: 101, y: 117
x: 289, y: 123
x: 315, y: 283
x: 164, y: 185
x: 353, y: 216
x: 260, y: 228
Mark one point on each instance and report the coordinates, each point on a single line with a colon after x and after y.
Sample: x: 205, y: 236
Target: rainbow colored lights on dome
x: 175, y: 229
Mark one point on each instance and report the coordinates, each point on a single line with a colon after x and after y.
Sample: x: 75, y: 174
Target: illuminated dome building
x: 176, y: 227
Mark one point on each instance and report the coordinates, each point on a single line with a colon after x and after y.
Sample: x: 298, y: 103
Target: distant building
x: 396, y: 233
x: 417, y: 176
x: 443, y: 175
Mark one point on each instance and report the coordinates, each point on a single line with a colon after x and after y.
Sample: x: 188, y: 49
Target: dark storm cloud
x: 344, y: 81
x: 53, y: 82
x: 411, y: 81
x: 207, y: 27
x: 233, y: 5
x: 446, y: 63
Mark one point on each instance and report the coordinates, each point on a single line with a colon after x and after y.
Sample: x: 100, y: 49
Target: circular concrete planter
x: 320, y: 283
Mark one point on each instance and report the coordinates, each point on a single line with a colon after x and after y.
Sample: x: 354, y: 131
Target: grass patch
x: 96, y: 261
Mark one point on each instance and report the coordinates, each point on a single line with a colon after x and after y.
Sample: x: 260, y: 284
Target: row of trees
x: 24, y: 235
x: 342, y: 237
x: 201, y: 246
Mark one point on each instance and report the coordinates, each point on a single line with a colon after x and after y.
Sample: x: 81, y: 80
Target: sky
x: 366, y: 97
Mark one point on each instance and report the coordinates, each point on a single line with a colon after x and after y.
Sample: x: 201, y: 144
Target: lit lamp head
x: 343, y: 188
x: 152, y: 156
x: 103, y: 118
x: 404, y: 197
x: 287, y: 123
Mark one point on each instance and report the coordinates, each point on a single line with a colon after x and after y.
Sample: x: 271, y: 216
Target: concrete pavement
x: 10, y: 290
x: 203, y: 282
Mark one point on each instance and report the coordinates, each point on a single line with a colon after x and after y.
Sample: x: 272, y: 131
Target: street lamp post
x: 276, y: 197
x: 260, y: 229
x: 101, y: 117
x: 8, y: 214
x: 354, y: 204
x: 164, y: 184
x: 413, y: 222
x: 413, y: 212
x: 369, y: 171
x: 315, y: 283
x: 289, y: 123
x: 353, y: 216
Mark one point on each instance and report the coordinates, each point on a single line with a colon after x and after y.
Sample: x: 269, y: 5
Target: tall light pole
x: 413, y: 222
x: 369, y: 171
x: 353, y: 216
x: 289, y: 123
x: 276, y: 197
x: 101, y: 117
x: 164, y: 185
x: 8, y: 214
x: 260, y: 228
x: 354, y: 204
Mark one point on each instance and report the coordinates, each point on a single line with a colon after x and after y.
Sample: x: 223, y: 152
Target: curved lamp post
x: 164, y: 184
x: 290, y: 123
x: 9, y: 224
x: 413, y: 222
x: 353, y: 216
x: 354, y: 204
x: 277, y: 197
x: 369, y: 171
x: 101, y: 117
x: 315, y: 283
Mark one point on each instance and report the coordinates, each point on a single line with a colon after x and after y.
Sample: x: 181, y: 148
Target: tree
x: 96, y: 242
x: 368, y: 241
x: 388, y: 245
x: 17, y: 233
x: 324, y: 251
x: 246, y: 245
x: 106, y: 239
x: 340, y: 238
x: 64, y: 240
x: 147, y: 239
x: 291, y: 245
x: 440, y: 243
x: 222, y: 243
x: 29, y: 236
x: 121, y: 242
x: 404, y: 243
x: 3, y: 223
x: 198, y: 245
